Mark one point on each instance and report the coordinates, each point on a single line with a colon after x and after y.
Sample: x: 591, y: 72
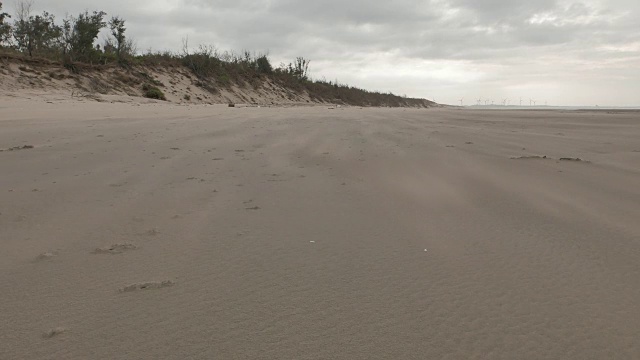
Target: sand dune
x: 154, y: 231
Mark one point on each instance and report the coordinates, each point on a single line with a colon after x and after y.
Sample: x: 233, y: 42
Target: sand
x: 147, y: 231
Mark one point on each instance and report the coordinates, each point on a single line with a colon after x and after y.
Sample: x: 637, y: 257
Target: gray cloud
x: 442, y: 48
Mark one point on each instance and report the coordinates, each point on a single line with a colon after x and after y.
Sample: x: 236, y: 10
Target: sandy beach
x: 148, y: 231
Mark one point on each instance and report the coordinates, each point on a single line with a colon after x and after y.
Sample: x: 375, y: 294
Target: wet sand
x: 162, y: 231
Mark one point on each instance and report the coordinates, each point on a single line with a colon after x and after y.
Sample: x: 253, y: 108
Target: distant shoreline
x: 588, y: 108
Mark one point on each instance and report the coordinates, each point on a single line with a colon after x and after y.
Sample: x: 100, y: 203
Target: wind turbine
x: 461, y: 101
x: 480, y: 101
x: 504, y: 102
x: 486, y: 102
x: 532, y: 101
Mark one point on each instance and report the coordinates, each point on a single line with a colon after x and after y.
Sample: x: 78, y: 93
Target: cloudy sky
x: 582, y: 52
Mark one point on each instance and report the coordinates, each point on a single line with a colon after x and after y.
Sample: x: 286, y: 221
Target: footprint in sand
x: 115, y: 249
x: 45, y: 256
x: 150, y: 232
x: 528, y: 157
x: 16, y: 148
x: 147, y: 286
x: 534, y: 157
x: 53, y: 332
x: 571, y: 159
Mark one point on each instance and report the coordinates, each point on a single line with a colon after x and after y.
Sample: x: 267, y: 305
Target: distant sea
x: 543, y: 107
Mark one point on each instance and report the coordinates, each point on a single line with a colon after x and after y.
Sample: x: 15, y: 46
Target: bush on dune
x: 153, y: 92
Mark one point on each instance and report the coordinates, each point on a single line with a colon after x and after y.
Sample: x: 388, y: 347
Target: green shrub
x: 153, y: 92
x: 263, y: 65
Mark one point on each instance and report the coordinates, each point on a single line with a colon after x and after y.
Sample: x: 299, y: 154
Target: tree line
x: 73, y: 39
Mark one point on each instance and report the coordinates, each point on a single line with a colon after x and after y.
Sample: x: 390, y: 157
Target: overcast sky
x: 583, y: 52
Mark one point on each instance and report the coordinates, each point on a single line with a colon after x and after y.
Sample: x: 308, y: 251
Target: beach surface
x: 148, y: 231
